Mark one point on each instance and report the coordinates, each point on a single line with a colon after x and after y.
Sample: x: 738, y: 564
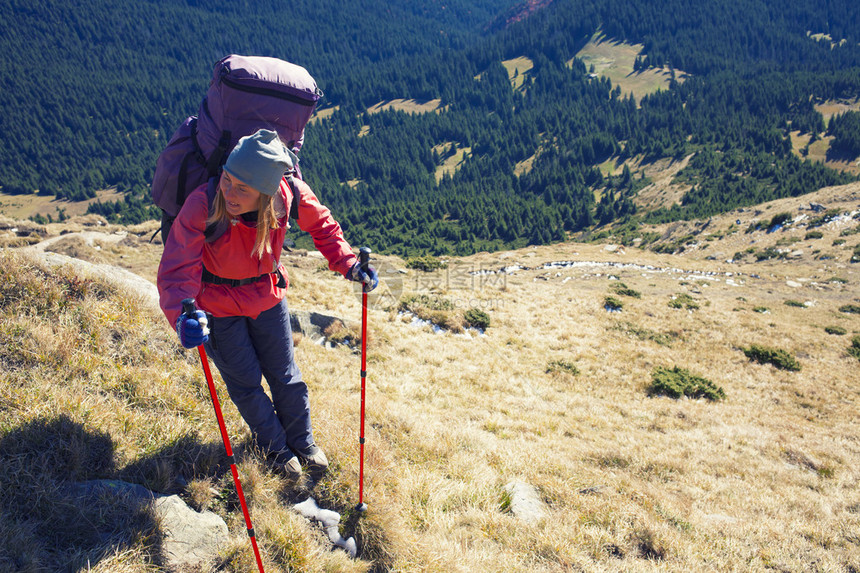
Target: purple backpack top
x: 247, y: 93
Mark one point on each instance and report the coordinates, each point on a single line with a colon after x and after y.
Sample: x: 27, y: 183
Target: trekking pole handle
x: 188, y: 306
x: 364, y: 257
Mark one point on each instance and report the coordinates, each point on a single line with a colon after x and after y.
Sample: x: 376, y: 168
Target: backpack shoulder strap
x: 294, y: 206
x: 213, y: 230
x: 219, y: 154
x: 196, y: 154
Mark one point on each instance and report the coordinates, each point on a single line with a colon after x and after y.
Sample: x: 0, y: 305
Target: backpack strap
x: 197, y: 154
x: 294, y: 206
x: 219, y: 154
x: 213, y: 230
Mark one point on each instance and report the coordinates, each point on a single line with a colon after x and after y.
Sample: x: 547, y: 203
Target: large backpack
x: 246, y: 93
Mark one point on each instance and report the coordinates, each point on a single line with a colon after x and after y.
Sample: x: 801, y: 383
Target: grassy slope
x: 614, y: 60
x: 765, y: 479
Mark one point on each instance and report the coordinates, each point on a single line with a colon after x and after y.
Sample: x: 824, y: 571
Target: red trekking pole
x: 364, y: 260
x: 189, y: 309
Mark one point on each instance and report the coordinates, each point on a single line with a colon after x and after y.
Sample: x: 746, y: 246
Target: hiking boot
x: 286, y: 462
x: 314, y: 457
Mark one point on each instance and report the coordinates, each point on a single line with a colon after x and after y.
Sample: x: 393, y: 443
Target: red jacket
x: 229, y: 256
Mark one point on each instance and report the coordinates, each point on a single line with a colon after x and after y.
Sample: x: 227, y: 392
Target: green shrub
x: 813, y: 235
x: 612, y: 304
x: 850, y: 308
x: 854, y: 349
x: 837, y: 330
x: 663, y: 339
x: 683, y: 300
x: 769, y: 253
x: 795, y: 303
x: 776, y: 356
x: 855, y: 256
x: 679, y: 382
x: 838, y: 280
x: 561, y: 367
x: 760, y: 309
x: 825, y: 218
x: 425, y: 263
x: 477, y: 318
x: 622, y: 290
x: 786, y: 241
x: 779, y: 219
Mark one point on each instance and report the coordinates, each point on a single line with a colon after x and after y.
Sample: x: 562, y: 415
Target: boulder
x: 526, y: 504
x: 190, y: 539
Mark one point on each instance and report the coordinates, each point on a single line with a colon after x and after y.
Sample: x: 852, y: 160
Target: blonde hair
x: 267, y: 220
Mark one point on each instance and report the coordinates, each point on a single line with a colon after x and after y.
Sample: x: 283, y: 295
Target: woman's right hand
x: 193, y: 329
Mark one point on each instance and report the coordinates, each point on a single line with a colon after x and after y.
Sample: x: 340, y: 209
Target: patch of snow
x: 468, y: 332
x: 421, y: 322
x: 329, y: 521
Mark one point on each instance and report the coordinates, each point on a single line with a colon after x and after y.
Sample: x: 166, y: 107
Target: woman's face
x: 239, y: 197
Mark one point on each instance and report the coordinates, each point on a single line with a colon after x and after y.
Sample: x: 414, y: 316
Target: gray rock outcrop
x: 526, y: 504
x: 190, y: 538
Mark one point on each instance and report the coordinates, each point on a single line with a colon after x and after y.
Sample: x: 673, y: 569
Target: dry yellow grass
x: 830, y: 108
x: 456, y: 157
x: 319, y: 115
x: 817, y: 151
x: 407, y: 105
x: 614, y: 60
x: 765, y: 479
x: 26, y: 206
x: 517, y: 69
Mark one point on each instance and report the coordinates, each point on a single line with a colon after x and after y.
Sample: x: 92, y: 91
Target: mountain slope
x: 556, y: 394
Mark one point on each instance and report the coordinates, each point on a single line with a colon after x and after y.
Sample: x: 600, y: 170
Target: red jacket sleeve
x: 181, y: 267
x: 316, y: 219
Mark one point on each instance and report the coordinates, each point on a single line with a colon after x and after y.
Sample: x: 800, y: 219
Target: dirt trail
x: 136, y: 284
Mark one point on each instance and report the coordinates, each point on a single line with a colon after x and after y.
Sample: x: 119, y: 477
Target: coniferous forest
x: 92, y: 93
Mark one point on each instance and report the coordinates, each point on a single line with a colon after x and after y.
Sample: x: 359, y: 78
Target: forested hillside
x: 93, y: 90
x: 748, y: 74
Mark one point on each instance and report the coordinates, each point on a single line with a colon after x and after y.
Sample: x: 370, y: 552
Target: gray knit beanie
x: 260, y: 160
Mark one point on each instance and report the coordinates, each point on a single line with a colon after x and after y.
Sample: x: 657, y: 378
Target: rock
x: 525, y: 502
x: 793, y: 284
x: 94, y: 490
x: 119, y: 276
x: 189, y: 538
x: 312, y: 324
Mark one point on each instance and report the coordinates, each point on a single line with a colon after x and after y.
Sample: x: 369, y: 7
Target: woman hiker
x: 239, y: 286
